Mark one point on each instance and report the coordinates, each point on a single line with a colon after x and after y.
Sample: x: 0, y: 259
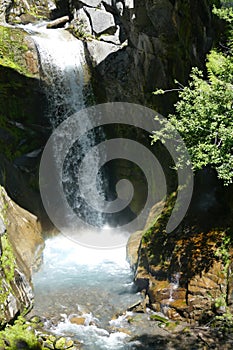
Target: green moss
x: 13, y: 47
x: 13, y: 146
x: 19, y: 334
x: 7, y: 264
x: 7, y: 259
x: 160, y: 224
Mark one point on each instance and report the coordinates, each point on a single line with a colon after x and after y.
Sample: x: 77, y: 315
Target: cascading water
x: 64, y: 78
x: 74, y: 280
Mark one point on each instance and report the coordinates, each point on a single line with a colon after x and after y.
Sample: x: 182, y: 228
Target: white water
x: 174, y: 285
x: 65, y: 79
x: 78, y: 281
x: 62, y: 63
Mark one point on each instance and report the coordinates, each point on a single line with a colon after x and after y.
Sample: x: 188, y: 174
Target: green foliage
x: 17, y: 334
x: 223, y: 252
x: 204, y: 115
x: 79, y: 31
x: 14, y: 147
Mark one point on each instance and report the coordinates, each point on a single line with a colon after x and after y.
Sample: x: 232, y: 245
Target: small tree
x: 204, y: 111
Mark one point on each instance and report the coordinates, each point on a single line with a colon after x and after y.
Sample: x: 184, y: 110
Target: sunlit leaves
x: 204, y: 113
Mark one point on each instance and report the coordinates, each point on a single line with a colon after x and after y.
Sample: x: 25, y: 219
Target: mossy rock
x: 22, y: 99
x: 28, y: 12
x: 14, y: 50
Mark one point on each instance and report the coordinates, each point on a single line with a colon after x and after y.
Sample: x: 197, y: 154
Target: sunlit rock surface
x: 21, y: 245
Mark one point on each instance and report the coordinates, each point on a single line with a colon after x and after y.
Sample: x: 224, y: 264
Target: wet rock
x: 78, y: 320
x: 48, y: 345
x: 132, y: 248
x: 124, y: 330
x: 63, y: 343
x: 32, y: 62
x: 135, y: 306
x: 183, y: 271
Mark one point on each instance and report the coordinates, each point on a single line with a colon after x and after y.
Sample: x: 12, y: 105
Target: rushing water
x: 64, y: 77
x: 95, y: 285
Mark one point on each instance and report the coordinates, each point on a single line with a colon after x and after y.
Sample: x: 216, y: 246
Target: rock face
x: 23, y: 128
x: 101, y: 21
x: 187, y: 273
x: 152, y: 42
x: 164, y: 39
x: 20, y: 242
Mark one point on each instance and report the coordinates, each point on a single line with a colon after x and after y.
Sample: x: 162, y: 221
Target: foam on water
x: 97, y: 285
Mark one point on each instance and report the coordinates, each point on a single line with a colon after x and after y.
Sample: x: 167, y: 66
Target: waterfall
x: 62, y: 62
x: 65, y: 78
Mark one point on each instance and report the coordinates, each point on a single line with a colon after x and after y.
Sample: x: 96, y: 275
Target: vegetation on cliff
x: 199, y: 252
x: 203, y: 114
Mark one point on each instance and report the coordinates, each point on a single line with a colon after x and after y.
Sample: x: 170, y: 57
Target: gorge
x: 108, y: 51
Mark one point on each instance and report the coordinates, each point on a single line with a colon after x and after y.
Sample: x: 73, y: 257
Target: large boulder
x: 99, y: 50
x: 101, y: 21
x: 21, y: 244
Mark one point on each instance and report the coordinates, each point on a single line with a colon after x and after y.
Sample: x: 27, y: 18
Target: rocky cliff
x: 138, y: 46
x: 187, y: 274
x: 133, y: 46
x: 23, y: 130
